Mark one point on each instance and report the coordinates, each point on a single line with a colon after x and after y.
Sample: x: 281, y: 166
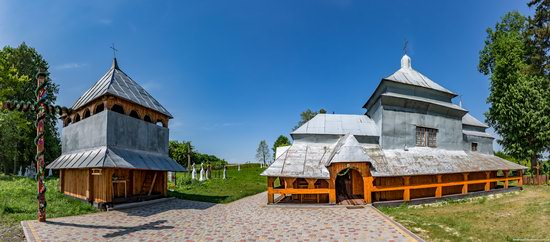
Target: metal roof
x: 310, y: 159
x: 339, y: 124
x: 407, y: 75
x: 468, y: 119
x: 348, y: 149
x: 425, y: 100
x: 477, y: 133
x: 115, y: 157
x: 117, y: 83
x: 427, y: 161
x: 305, y: 160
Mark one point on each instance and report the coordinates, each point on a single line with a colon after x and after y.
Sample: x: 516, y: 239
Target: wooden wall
x: 75, y: 182
x: 80, y: 183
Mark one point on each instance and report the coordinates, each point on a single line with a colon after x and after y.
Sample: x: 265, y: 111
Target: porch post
x: 332, y: 192
x: 407, y: 191
x: 487, y: 183
x: 367, y: 188
x: 439, y: 189
x: 506, y: 181
x: 270, y: 195
x: 520, y: 182
x: 465, y: 186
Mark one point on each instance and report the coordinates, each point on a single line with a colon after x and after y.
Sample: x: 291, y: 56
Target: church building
x: 115, y: 144
x: 412, y: 145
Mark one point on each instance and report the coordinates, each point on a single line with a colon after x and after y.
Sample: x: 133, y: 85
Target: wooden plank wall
x: 75, y: 182
x: 389, y: 195
x: 102, y: 186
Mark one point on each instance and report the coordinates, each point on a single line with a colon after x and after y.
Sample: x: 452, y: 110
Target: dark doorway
x: 349, y: 187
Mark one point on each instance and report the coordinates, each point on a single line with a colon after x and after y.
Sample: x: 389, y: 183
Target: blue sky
x: 233, y: 73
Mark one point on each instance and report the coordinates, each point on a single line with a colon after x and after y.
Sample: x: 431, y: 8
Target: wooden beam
x: 311, y: 182
x: 332, y: 191
x: 367, y: 186
x: 406, y: 191
x: 152, y: 184
x: 270, y: 184
x: 465, y: 186
x: 439, y: 188
x: 488, y: 183
x: 399, y: 188
x: 289, y: 182
x: 61, y: 181
x: 506, y: 181
x: 299, y: 191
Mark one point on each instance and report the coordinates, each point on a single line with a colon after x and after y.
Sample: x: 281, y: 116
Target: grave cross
x: 41, y: 109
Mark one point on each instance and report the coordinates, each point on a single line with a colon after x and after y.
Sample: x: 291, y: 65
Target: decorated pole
x: 40, y: 108
x: 41, y: 92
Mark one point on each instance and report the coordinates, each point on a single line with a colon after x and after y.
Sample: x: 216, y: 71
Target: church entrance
x: 349, y: 187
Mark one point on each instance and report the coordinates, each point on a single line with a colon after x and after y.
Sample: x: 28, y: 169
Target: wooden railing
x: 438, y: 193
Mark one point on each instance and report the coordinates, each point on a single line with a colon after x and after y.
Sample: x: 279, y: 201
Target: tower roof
x: 407, y: 75
x: 115, y: 82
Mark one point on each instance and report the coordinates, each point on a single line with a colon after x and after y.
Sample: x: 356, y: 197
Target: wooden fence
x: 532, y: 180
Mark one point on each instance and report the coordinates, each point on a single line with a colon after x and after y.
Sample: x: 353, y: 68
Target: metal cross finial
x: 405, y: 46
x: 114, y: 50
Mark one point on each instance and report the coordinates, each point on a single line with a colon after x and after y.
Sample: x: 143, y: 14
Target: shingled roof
x: 115, y: 82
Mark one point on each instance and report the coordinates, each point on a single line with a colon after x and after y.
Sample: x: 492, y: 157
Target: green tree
x: 184, y: 153
x: 281, y: 141
x: 306, y: 116
x: 538, y: 38
x: 262, y: 153
x: 18, y: 67
x: 520, y: 103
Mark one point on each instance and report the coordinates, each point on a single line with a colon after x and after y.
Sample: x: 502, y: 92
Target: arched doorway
x: 349, y: 187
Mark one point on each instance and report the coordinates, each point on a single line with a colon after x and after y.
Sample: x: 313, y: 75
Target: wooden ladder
x: 148, y: 183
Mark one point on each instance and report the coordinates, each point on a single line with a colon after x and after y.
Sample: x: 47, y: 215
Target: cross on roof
x: 114, y: 50
x: 405, y: 46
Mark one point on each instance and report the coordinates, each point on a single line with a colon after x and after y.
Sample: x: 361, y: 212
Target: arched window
x: 147, y: 119
x: 117, y: 108
x: 134, y: 114
x: 77, y: 118
x: 159, y: 123
x: 99, y: 108
x: 86, y: 114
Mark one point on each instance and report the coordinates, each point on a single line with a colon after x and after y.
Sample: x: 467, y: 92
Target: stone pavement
x: 246, y: 219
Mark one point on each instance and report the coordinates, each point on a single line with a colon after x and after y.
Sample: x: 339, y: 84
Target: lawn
x: 18, y: 202
x: 238, y: 184
x: 502, y: 217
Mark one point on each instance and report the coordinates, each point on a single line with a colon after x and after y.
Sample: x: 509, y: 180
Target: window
x: 426, y: 137
x: 474, y: 146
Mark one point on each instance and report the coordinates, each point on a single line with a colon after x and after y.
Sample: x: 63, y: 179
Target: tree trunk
x: 15, y: 164
x: 535, y: 165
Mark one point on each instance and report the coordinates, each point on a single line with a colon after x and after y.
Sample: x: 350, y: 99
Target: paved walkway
x: 247, y: 219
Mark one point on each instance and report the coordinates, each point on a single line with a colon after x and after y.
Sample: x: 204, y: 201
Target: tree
x: 262, y: 153
x: 538, y: 38
x: 183, y: 152
x: 520, y: 99
x: 281, y: 141
x: 18, y: 67
x: 306, y: 116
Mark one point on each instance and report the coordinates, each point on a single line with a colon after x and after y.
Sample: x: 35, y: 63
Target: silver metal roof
x: 114, y: 157
x: 407, y: 75
x: 422, y: 99
x: 477, y: 133
x: 339, y: 124
x: 468, y: 119
x: 310, y: 159
x: 117, y: 83
x: 348, y: 149
x: 305, y: 160
x: 424, y: 161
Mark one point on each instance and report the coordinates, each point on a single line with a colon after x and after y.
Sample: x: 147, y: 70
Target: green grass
x: 18, y: 202
x: 238, y: 184
x: 503, y: 217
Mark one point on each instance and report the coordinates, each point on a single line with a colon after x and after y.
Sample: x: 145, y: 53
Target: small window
x: 117, y: 108
x: 474, y: 146
x: 426, y: 137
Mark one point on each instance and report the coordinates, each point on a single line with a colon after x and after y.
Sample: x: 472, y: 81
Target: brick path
x: 247, y: 219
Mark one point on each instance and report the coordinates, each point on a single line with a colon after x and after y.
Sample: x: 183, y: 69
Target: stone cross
x: 201, y: 177
x: 194, y: 173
